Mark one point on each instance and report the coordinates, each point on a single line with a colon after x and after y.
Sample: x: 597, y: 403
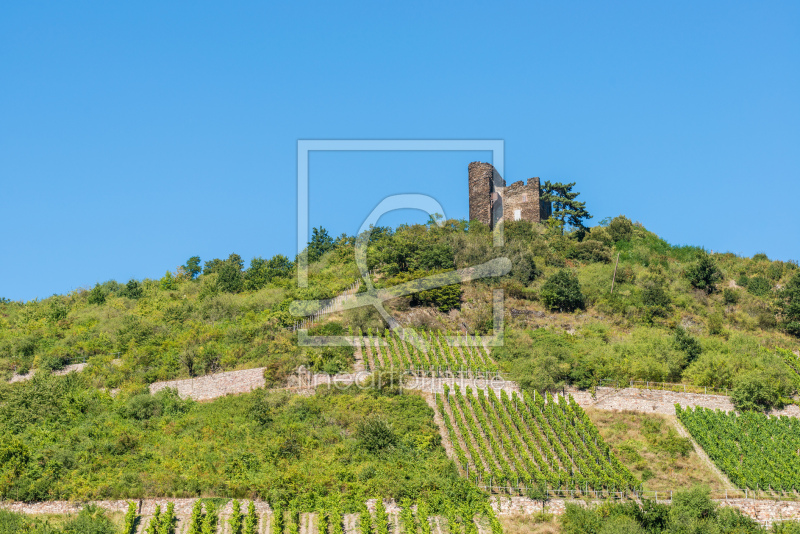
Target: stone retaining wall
x: 764, y: 511
x: 76, y: 367
x: 657, y: 401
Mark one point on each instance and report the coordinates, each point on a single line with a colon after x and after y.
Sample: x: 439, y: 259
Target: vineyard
x: 413, y: 517
x: 507, y: 443
x: 754, y: 450
x: 388, y: 350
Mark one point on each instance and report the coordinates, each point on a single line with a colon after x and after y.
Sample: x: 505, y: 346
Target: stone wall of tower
x: 521, y: 201
x: 480, y: 192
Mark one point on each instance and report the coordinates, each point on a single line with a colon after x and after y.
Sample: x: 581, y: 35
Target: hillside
x: 656, y: 326
x: 678, y: 314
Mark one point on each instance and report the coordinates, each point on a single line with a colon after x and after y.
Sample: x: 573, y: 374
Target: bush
x: 756, y: 391
x: 730, y: 296
x: 790, y: 306
x: 688, y: 344
x: 759, y: 286
x: 620, y: 229
x: 90, y: 520
x: 97, y: 295
x: 562, y: 291
x: 590, y: 251
x: 704, y: 274
x: 375, y: 434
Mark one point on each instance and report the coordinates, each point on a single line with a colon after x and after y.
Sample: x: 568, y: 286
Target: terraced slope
x: 508, y: 443
x: 754, y: 450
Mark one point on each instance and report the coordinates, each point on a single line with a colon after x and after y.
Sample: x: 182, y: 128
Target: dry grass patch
x: 530, y: 524
x: 650, y: 446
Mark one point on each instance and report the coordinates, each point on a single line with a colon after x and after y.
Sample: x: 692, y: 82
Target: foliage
x: 251, y: 520
x: 790, y: 305
x: 565, y: 208
x: 759, y: 286
x: 192, y: 267
x: 562, y: 291
x: 320, y: 243
x: 688, y: 344
x: 757, y: 390
x: 620, y: 229
x: 97, y: 295
x: 750, y: 448
x: 704, y: 274
x: 375, y: 434
x: 235, y: 520
x: 564, y: 449
x: 691, y: 510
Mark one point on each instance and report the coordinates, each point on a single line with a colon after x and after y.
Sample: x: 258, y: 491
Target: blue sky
x: 134, y: 136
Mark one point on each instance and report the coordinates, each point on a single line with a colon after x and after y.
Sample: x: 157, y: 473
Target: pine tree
x: 565, y: 208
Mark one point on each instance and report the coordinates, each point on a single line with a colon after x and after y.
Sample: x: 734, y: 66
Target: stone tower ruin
x: 491, y: 201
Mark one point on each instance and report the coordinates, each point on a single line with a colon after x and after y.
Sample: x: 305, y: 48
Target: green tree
x: 789, y: 303
x: 168, y: 282
x: 231, y: 277
x: 375, y: 434
x: 704, y: 274
x: 132, y: 290
x: 262, y: 272
x: 562, y: 291
x: 320, y: 243
x: 97, y: 295
x: 756, y: 390
x: 192, y: 267
x: 565, y: 208
x: 620, y: 229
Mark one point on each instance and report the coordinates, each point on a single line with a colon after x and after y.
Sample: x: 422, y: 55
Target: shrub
x: 375, y: 434
x: 97, y: 295
x: 688, y: 344
x: 90, y: 520
x: 704, y: 274
x: 620, y: 229
x: 562, y: 291
x: 756, y: 391
x: 759, y: 286
x: 790, y: 305
x: 591, y: 251
x: 730, y: 296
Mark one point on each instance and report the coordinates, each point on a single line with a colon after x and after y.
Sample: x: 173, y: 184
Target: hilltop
x: 677, y: 314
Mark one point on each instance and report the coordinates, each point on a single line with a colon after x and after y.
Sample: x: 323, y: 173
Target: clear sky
x: 135, y: 135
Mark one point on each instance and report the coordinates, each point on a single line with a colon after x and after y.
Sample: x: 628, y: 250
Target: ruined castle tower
x: 491, y: 201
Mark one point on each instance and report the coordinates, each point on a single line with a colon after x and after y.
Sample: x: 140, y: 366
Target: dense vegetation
x: 754, y: 450
x: 691, y: 511
x: 676, y: 313
x: 62, y: 439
